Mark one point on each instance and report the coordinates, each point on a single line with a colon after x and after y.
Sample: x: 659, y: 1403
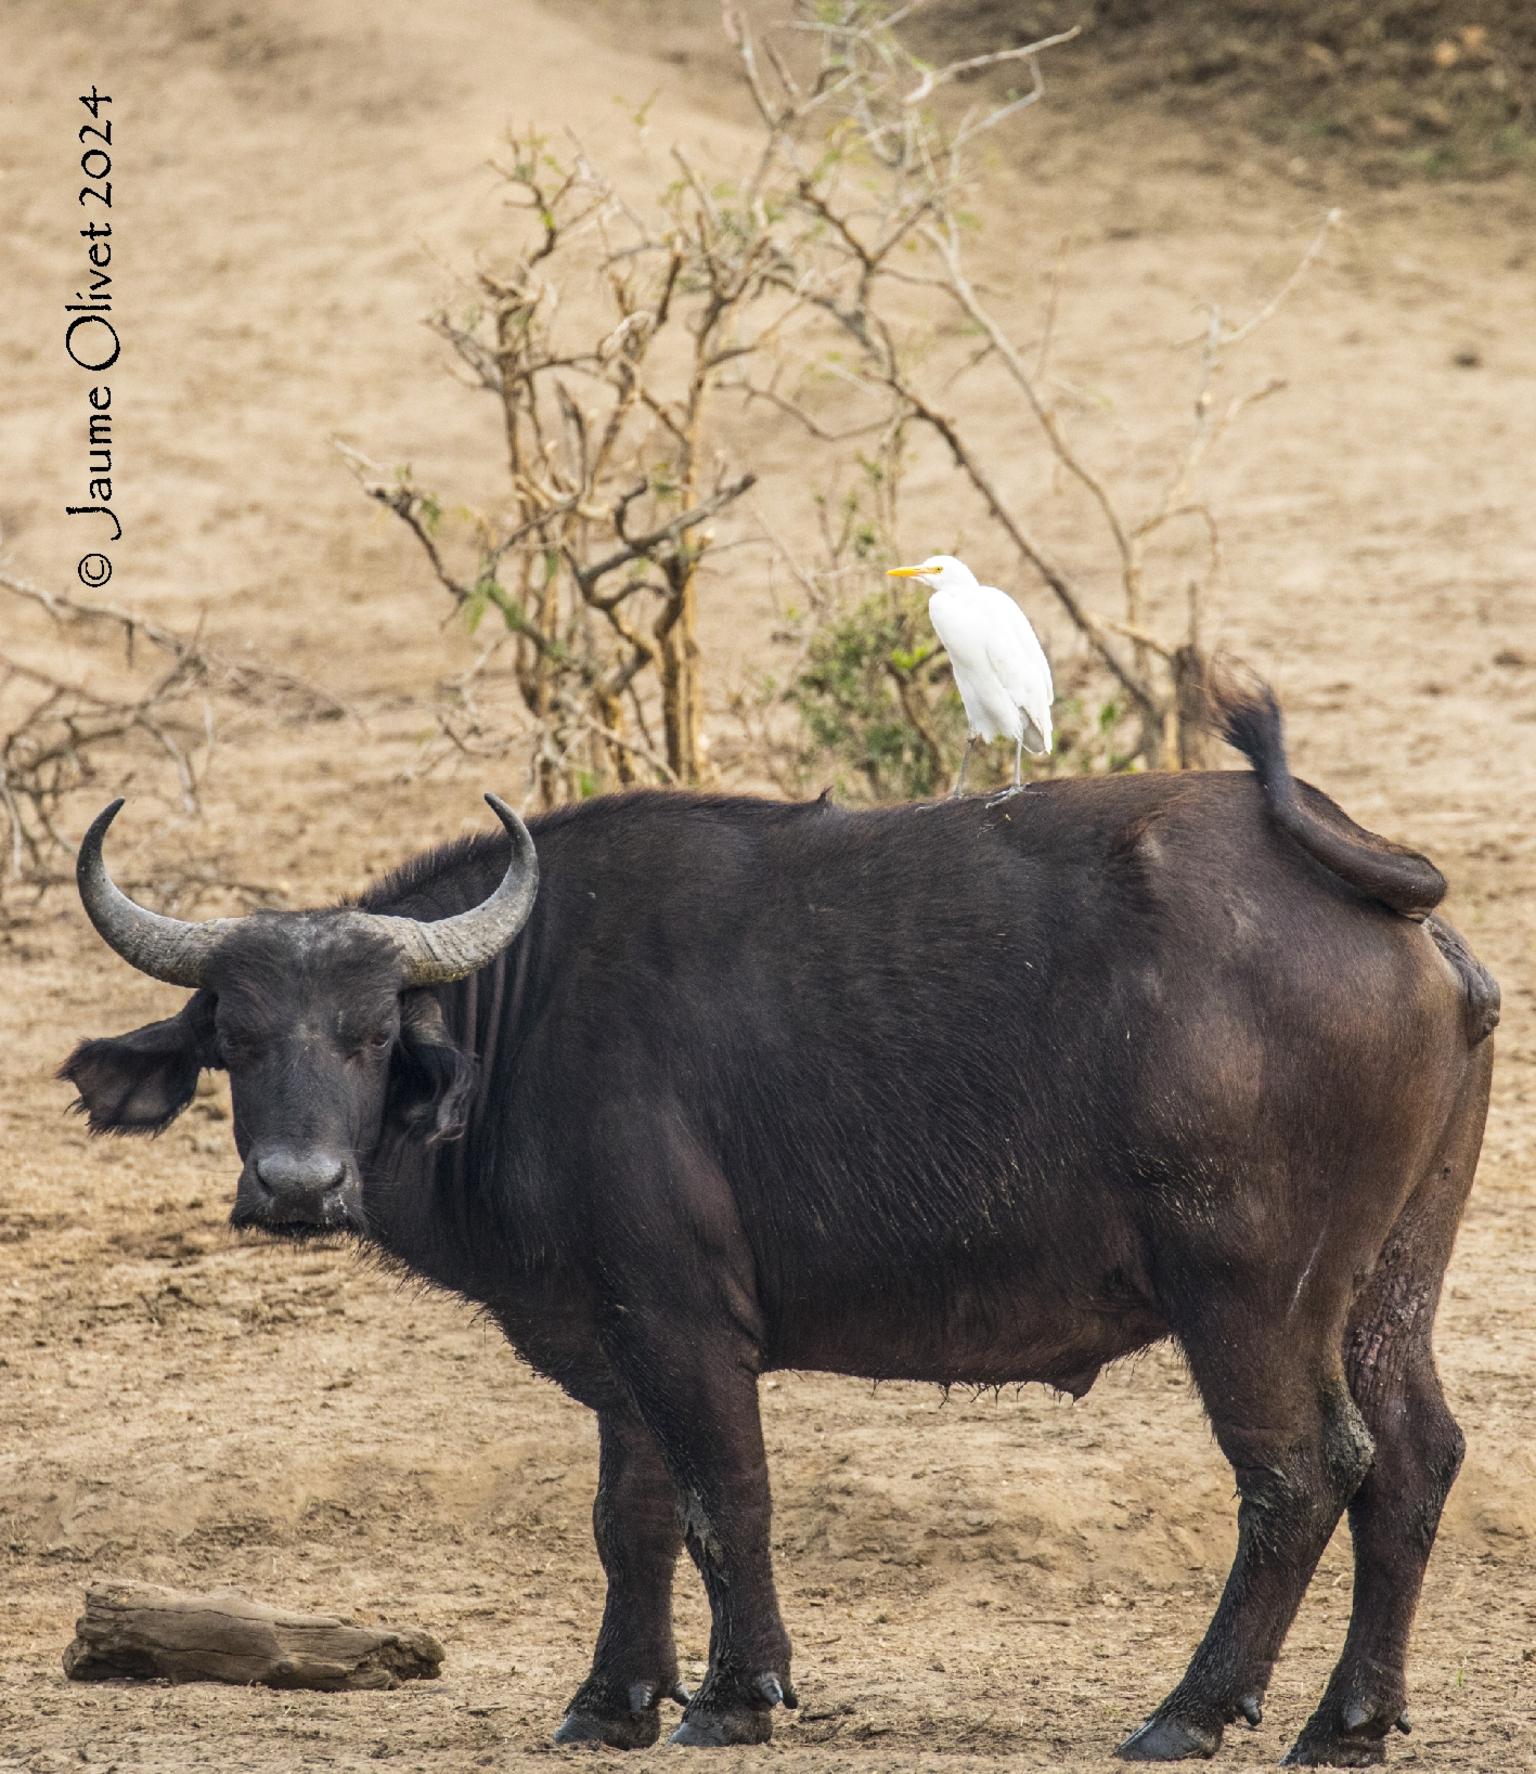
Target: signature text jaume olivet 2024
x: 90, y: 337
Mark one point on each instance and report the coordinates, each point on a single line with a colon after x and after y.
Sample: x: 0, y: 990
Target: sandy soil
x: 967, y: 1582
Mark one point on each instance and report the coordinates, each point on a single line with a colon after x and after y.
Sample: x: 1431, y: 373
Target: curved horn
x: 434, y: 953
x: 445, y: 949
x: 169, y: 949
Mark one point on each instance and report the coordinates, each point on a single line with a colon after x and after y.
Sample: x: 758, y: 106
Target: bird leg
x: 1007, y: 794
x: 965, y: 758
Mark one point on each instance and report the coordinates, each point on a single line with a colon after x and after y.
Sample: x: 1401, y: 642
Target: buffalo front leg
x: 639, y: 1534
x: 1299, y: 1448
x: 701, y: 1405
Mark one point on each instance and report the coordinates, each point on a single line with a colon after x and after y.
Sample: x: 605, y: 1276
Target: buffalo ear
x: 140, y: 1083
x: 432, y: 1076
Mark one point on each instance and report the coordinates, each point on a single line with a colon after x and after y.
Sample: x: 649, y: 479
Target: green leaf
x: 479, y: 601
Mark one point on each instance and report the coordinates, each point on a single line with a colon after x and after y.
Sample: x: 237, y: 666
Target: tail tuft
x: 1243, y: 710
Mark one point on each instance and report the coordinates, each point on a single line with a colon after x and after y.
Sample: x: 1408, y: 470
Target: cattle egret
x: 1000, y: 667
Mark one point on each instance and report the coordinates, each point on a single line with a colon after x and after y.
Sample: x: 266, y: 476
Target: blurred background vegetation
x: 1409, y: 88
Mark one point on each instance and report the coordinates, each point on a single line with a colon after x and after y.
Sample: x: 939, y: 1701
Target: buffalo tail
x: 1247, y: 716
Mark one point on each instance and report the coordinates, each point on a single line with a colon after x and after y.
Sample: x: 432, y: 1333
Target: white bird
x: 999, y: 665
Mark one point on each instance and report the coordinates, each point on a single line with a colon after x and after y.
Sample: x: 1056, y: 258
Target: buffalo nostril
x: 299, y: 1178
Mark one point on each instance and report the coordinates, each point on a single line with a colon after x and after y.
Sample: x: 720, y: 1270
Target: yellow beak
x: 907, y: 572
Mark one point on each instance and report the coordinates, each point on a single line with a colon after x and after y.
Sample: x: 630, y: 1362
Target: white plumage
x: 1003, y: 675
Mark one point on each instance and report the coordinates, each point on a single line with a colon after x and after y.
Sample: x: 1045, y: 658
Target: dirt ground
x: 969, y: 1583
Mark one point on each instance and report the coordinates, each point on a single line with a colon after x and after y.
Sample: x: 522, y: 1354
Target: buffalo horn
x: 434, y: 952
x: 445, y: 949
x: 170, y: 949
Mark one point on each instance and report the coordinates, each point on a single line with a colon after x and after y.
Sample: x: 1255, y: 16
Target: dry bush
x: 592, y: 563
x: 644, y: 357
x: 140, y: 704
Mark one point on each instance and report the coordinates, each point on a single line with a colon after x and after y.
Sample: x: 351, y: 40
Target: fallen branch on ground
x: 144, y: 1631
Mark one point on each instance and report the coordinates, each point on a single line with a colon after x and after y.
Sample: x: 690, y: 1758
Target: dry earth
x: 968, y: 1582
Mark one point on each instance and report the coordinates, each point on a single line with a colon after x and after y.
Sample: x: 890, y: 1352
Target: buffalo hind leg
x: 700, y: 1403
x: 1299, y: 1448
x: 1394, y: 1516
x: 639, y: 1535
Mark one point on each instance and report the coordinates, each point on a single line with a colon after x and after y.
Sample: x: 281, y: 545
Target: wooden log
x: 144, y: 1631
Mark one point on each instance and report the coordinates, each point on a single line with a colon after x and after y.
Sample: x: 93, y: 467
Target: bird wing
x: 1015, y: 654
x: 961, y: 629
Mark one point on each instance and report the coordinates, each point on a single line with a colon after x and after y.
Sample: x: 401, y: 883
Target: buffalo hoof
x: 1349, y: 1736
x: 1169, y: 1738
x: 629, y: 1730
x: 1312, y: 1751
x: 595, y: 1717
x: 728, y: 1712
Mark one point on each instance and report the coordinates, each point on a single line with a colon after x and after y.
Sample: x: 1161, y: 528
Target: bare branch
x: 1226, y: 340
x: 643, y: 547
x: 934, y: 78
x: 243, y: 678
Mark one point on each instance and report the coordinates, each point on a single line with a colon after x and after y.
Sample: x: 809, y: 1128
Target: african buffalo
x: 974, y: 1092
